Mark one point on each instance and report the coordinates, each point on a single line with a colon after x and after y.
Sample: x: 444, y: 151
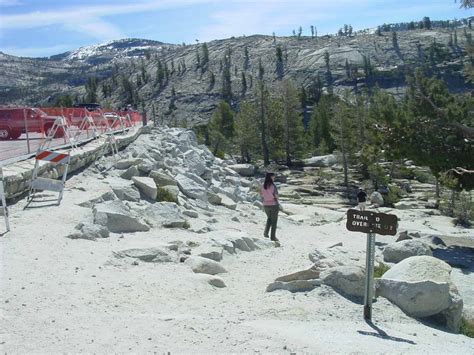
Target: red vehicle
x: 15, y: 121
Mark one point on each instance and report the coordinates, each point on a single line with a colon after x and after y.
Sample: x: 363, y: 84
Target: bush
x: 380, y: 270
x: 424, y: 177
x: 220, y: 154
x: 164, y: 195
x: 466, y: 329
x: 394, y: 195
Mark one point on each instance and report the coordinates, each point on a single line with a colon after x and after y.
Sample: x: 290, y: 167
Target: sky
x: 40, y: 28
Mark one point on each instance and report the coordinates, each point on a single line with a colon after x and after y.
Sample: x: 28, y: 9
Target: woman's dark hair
x: 268, y: 180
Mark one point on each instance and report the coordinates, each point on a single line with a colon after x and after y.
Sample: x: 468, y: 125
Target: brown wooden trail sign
x: 371, y: 222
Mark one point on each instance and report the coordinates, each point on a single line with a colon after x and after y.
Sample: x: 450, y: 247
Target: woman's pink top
x: 268, y: 195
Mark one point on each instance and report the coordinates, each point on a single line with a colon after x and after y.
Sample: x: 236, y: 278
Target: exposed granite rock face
x: 196, y: 97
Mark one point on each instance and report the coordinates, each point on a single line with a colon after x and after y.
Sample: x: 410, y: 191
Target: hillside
x: 128, y: 69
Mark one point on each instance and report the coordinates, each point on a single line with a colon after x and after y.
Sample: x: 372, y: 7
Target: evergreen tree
x: 246, y: 58
x: 300, y: 32
x: 205, y: 55
x: 221, y: 127
x: 275, y: 129
x: 427, y: 23
x: 91, y: 89
x: 160, y: 74
x: 279, y: 62
x: 292, y: 122
x: 261, y: 70
x: 326, y: 60
x: 212, y: 80
x: 244, y: 83
x: 226, y: 77
x: 320, y: 132
x: 344, y: 127
x: 262, y: 96
x: 394, y: 39
x: 312, y: 31
x: 437, y: 126
x: 63, y: 101
x: 246, y: 130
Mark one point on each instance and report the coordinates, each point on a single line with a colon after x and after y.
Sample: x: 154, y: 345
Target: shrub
x: 424, y: 177
x: 466, y: 328
x: 220, y: 154
x: 394, y: 195
x: 380, y: 270
x: 164, y: 195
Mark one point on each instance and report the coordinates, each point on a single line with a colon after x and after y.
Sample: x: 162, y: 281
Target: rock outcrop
x: 421, y: 286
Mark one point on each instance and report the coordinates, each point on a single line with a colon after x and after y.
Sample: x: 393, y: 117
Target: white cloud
x: 76, y: 18
x: 38, y: 51
x: 267, y: 16
x: 6, y: 3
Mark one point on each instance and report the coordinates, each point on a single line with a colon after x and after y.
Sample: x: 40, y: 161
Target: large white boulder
x: 117, y: 218
x: 194, y: 162
x: 396, y: 252
x: 124, y: 189
x: 153, y: 255
x: 243, y: 169
x: 321, y: 161
x: 165, y: 214
x: 294, y: 286
x: 89, y: 231
x: 421, y: 286
x: 227, y: 202
x: 202, y: 265
x: 190, y: 188
x: 349, y: 279
x: 146, y: 185
x: 161, y: 178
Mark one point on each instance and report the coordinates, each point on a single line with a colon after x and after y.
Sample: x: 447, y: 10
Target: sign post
x: 371, y: 223
x: 3, y: 201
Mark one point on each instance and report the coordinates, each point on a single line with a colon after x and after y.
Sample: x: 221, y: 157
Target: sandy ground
x: 62, y: 295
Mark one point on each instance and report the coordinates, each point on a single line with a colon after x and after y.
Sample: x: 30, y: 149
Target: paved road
x: 15, y: 148
x: 12, y: 149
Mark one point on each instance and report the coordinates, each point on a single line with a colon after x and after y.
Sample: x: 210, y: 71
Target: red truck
x: 15, y: 121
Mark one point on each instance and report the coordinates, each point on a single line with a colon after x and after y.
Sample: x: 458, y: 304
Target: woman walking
x: 269, y: 194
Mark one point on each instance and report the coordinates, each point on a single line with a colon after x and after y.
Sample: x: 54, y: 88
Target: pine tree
x: 160, y: 74
x: 226, y: 77
x: 246, y: 130
x: 205, y: 55
x: 394, y: 39
x: 246, y: 58
x: 326, y: 60
x: 279, y: 62
x: 91, y: 89
x: 221, y: 127
x: 292, y: 122
x: 312, y: 31
x: 319, y: 128
x: 212, y: 80
x: 244, y: 83
x: 343, y: 128
x: 262, y: 96
x: 427, y: 23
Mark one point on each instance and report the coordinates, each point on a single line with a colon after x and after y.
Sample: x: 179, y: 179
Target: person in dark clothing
x: 361, y: 199
x: 269, y: 194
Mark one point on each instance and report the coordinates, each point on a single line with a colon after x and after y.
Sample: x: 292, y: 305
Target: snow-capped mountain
x: 112, y: 50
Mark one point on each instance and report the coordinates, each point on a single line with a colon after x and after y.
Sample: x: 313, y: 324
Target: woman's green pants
x: 272, y: 219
